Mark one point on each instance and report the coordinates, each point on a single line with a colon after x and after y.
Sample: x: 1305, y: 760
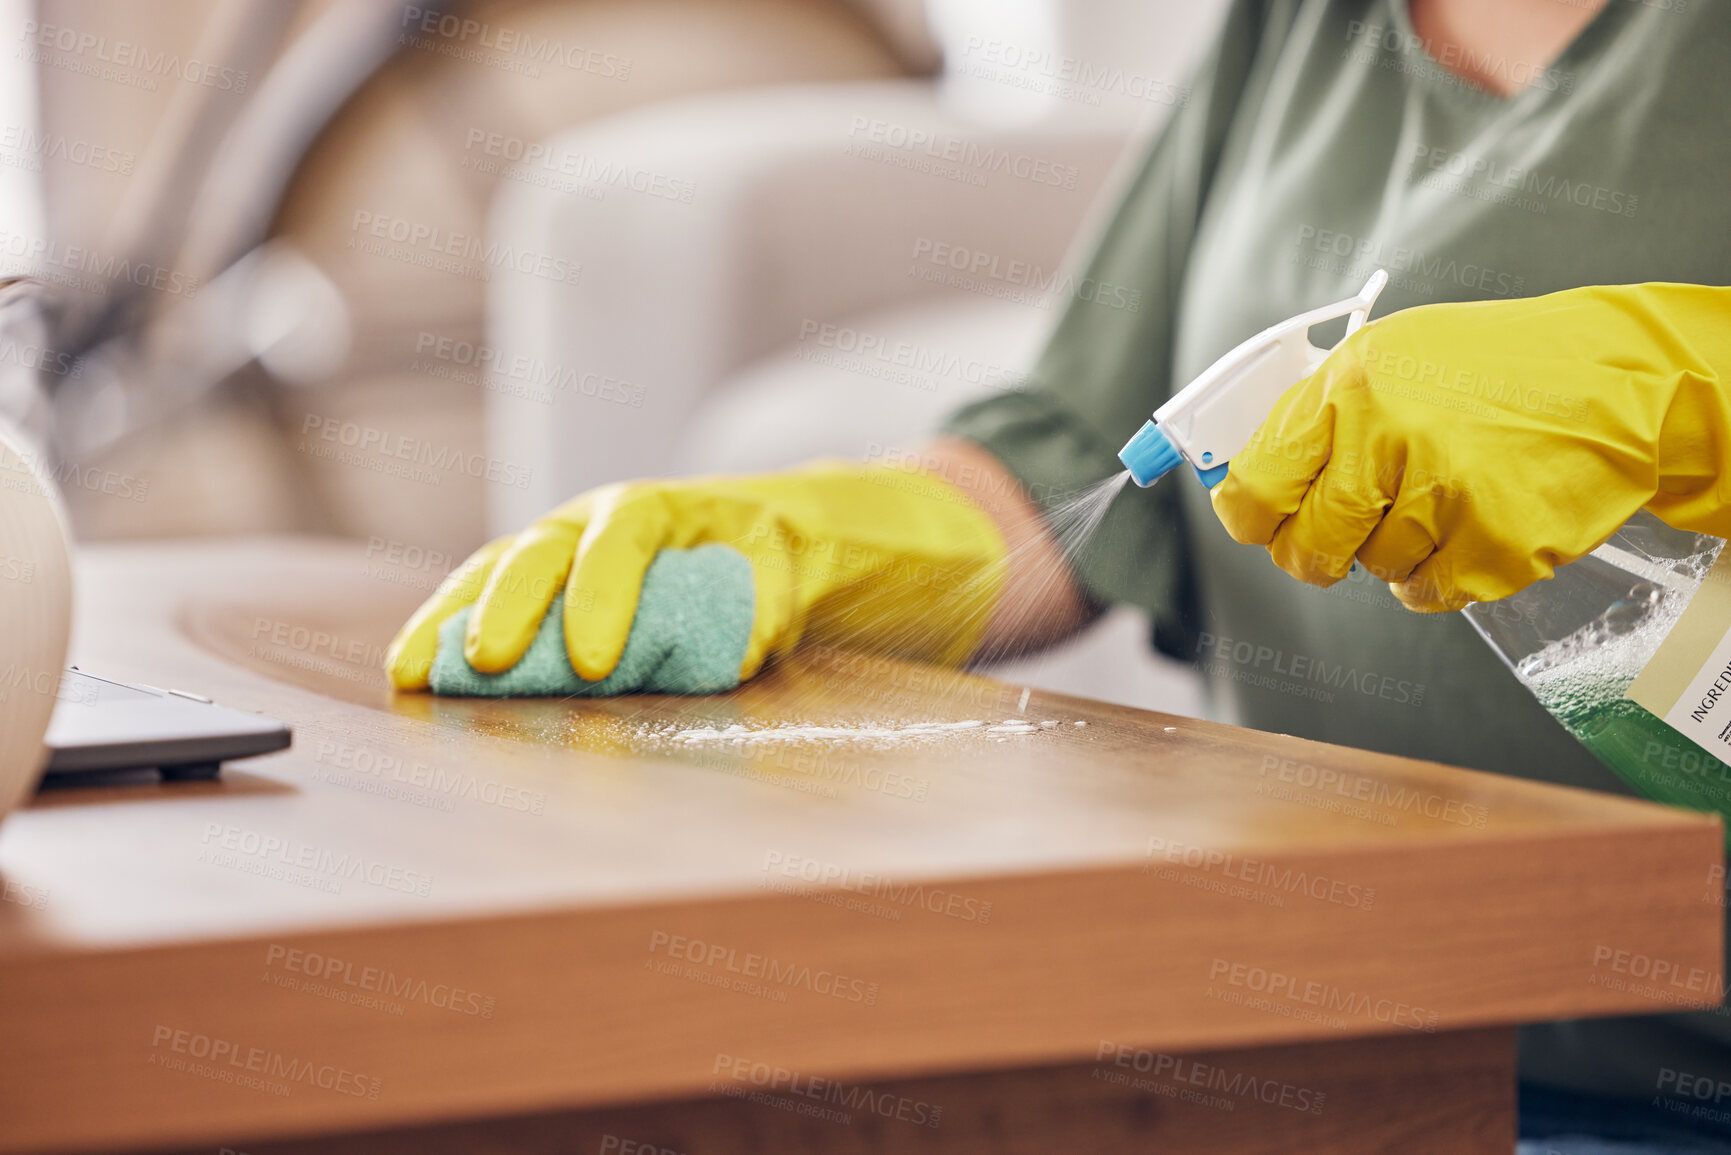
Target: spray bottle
x: 1598, y: 644
x: 1214, y: 416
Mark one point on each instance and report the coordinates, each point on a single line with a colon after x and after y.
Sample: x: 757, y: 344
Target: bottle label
x: 1688, y: 680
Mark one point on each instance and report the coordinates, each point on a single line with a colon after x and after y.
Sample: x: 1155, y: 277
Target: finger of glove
x: 409, y: 660
x: 628, y: 529
x: 1481, y: 558
x: 1318, y: 543
x: 773, y: 613
x: 1404, y: 538
x: 1432, y: 588
x: 1471, y: 564
x: 523, y: 584
x: 1267, y: 480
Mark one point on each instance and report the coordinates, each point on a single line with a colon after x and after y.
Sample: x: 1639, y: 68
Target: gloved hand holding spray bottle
x: 1628, y: 645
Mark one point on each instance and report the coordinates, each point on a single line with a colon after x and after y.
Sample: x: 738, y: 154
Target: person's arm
x: 876, y: 558
x: 941, y: 559
x: 1040, y: 603
x: 890, y: 560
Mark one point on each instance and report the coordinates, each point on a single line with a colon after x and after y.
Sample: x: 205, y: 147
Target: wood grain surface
x: 440, y: 909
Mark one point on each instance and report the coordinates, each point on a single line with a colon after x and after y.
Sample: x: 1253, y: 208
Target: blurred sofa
x: 409, y: 148
x: 837, y: 267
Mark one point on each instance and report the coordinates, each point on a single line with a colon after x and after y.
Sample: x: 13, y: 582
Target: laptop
x: 101, y: 726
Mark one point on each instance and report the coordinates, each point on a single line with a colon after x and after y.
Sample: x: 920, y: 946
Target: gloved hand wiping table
x: 691, y: 586
x: 1461, y: 452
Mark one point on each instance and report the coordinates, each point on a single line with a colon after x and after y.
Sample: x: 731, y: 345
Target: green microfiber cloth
x: 693, y: 621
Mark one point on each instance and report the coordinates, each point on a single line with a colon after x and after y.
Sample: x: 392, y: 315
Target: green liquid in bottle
x: 1650, y: 756
x: 1645, y: 578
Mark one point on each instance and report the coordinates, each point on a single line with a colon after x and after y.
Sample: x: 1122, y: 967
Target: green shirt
x: 1322, y: 141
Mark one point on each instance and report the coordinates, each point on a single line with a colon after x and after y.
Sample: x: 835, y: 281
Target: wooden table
x: 655, y: 924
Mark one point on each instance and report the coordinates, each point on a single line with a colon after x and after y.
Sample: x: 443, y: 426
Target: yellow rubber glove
x: 1464, y: 451
x: 857, y: 556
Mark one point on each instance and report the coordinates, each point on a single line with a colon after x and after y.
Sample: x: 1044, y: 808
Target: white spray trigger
x: 1366, y: 299
x: 1212, y: 418
x: 1357, y: 310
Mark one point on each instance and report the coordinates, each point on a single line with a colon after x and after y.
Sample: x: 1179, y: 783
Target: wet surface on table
x: 821, y: 715
x: 829, y: 723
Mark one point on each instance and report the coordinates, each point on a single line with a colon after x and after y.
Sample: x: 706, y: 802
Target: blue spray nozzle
x: 1148, y: 455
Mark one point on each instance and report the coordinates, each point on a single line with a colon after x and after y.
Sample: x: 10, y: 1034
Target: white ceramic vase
x: 35, y: 611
